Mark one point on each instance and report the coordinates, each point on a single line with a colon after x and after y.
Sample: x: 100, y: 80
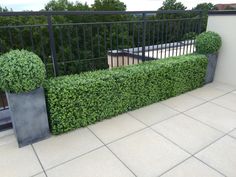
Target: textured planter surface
x: 211, y: 67
x: 29, y: 116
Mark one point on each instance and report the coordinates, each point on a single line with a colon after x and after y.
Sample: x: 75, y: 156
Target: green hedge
x: 79, y: 100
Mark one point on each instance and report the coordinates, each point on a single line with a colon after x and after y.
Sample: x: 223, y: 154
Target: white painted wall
x: 225, y: 25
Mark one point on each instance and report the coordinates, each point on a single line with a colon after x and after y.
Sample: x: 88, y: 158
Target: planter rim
x: 22, y: 92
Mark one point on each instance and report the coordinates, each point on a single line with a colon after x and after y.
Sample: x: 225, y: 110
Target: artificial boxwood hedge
x: 79, y: 100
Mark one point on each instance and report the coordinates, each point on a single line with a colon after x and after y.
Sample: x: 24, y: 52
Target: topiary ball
x: 208, y: 43
x: 21, y: 71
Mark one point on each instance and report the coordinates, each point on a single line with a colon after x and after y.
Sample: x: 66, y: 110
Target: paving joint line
x: 81, y: 155
x: 160, y: 134
x: 150, y: 127
x: 205, y: 102
x: 191, y: 155
x: 113, y: 153
x: 231, y: 132
x: 226, y: 92
x: 170, y: 117
x: 38, y: 174
x: 203, y: 123
x: 209, y: 166
x: 223, y: 106
x: 39, y: 160
x: 184, y: 113
x: 178, y: 164
x: 194, y: 155
x: 186, y: 109
x: 123, y: 137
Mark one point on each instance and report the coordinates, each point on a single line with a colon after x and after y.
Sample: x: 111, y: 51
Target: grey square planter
x: 29, y: 116
x: 211, y: 67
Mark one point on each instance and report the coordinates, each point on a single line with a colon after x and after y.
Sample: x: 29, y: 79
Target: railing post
x: 52, y: 45
x: 200, y: 22
x: 144, y: 35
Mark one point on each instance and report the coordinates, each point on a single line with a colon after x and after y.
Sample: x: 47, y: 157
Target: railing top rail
x: 49, y: 13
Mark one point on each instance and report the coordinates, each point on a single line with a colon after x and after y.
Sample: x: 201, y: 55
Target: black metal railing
x: 72, y: 42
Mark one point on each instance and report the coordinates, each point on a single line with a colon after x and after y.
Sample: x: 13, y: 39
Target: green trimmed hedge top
x: 21, y: 71
x: 208, y: 43
x: 79, y: 100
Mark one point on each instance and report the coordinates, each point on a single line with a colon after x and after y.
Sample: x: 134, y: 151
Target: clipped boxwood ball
x: 21, y: 71
x: 208, y: 43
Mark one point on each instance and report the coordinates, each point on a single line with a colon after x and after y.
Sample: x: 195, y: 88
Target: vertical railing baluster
x: 117, y: 46
x: 200, y: 22
x: 10, y: 38
x: 105, y: 40
x: 181, y: 37
x: 191, y: 42
x: 143, y: 35
x: 177, y: 37
x: 138, y: 27
x: 149, y: 38
x: 196, y: 29
x: 91, y: 36
x: 69, y: 42
x: 153, y: 38
x: 166, y: 36
x: 77, y: 41
x: 84, y: 40
x: 184, y: 32
x: 52, y: 46
x: 92, y: 48
x: 105, y: 44
x: 42, y: 51
x: 170, y: 35
x: 31, y: 39
x: 187, y: 33
x: 62, y: 49
x: 98, y: 34
x: 122, y: 41
x: 157, y: 43
x: 110, y: 28
x: 21, y: 38
x: 133, y: 41
x: 128, y: 32
x: 162, y: 37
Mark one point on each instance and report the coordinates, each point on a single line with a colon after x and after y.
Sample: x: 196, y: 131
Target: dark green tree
x: 61, y: 5
x: 111, y: 5
x: 204, y: 6
x: 172, y: 5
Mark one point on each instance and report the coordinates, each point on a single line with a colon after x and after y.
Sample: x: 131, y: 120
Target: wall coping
x: 222, y: 12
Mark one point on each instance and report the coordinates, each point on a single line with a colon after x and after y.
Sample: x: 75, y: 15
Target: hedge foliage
x: 21, y: 71
x: 208, y: 43
x: 79, y: 100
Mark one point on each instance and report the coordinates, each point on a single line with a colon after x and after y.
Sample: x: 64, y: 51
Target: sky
x: 132, y: 5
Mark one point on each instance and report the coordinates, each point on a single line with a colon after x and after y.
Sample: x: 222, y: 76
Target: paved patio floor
x: 191, y: 135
